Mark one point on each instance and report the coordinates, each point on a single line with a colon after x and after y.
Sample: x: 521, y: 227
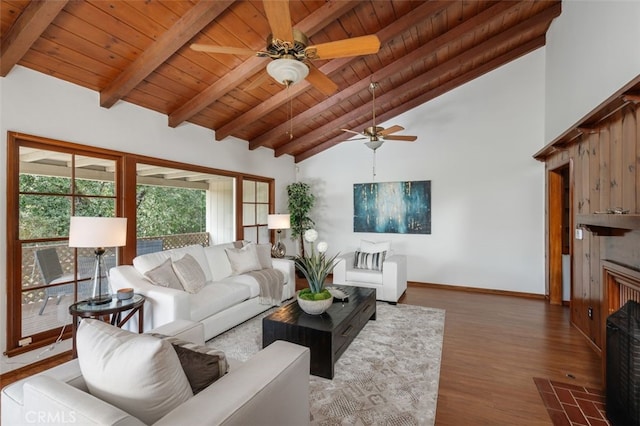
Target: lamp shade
x: 287, y: 71
x: 97, y: 231
x: 279, y: 221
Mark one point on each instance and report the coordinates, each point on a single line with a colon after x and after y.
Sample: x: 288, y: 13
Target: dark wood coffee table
x: 327, y: 335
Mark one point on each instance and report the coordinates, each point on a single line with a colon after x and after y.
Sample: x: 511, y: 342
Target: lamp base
x: 100, y: 300
x: 278, y: 250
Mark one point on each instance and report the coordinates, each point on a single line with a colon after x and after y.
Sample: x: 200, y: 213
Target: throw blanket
x: 271, y: 282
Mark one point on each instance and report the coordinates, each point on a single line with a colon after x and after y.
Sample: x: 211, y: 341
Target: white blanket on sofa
x: 271, y: 282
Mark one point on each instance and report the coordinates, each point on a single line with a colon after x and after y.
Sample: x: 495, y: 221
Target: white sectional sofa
x: 226, y: 300
x: 270, y: 388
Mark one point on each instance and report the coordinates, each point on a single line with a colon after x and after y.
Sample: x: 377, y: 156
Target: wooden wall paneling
x: 615, y: 160
x: 592, y: 301
x: 629, y: 159
x: 581, y: 282
x: 605, y: 176
x: 637, y: 163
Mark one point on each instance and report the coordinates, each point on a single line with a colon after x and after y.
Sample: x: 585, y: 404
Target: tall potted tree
x: 301, y: 202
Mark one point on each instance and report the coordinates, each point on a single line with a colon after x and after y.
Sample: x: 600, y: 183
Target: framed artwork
x: 392, y: 207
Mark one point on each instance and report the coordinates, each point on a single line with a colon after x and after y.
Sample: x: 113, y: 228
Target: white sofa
x: 225, y: 301
x: 390, y: 283
x: 271, y: 388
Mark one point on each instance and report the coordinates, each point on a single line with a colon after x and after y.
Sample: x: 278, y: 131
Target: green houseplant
x: 301, y: 201
x: 315, y: 267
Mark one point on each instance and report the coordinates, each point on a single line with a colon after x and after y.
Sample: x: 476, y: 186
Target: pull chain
x: 290, y: 112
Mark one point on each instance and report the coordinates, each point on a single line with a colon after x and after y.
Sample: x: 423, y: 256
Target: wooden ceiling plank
x: 164, y: 47
x: 327, y: 13
x: 447, y: 66
x: 466, y: 27
x: 386, y: 34
x: 427, y: 96
x: 29, y: 26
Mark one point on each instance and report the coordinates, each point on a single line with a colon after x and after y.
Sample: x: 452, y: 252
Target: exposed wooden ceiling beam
x: 431, y: 94
x: 310, y: 25
x: 187, y: 27
x: 493, y: 13
x: 391, y: 31
x: 469, y: 55
x: 37, y: 16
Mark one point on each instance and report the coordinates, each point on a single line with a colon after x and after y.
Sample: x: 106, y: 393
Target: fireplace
x: 623, y: 365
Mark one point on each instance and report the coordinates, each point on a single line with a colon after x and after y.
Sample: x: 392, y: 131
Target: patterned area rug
x: 570, y: 405
x: 388, y: 375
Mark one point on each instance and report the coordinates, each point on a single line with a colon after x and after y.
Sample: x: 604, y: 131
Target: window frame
x: 125, y: 187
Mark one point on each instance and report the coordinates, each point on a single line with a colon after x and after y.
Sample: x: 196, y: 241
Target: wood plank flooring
x: 494, y: 345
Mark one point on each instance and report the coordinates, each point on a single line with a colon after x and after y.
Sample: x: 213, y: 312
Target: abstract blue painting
x: 392, y: 207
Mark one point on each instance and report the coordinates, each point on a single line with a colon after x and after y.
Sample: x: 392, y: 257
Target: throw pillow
x: 264, y: 255
x: 164, y: 276
x: 373, y: 247
x: 244, y: 259
x: 202, y: 365
x: 189, y: 273
x: 134, y: 372
x: 372, y: 261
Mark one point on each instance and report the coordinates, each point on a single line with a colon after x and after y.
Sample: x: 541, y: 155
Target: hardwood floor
x: 494, y: 346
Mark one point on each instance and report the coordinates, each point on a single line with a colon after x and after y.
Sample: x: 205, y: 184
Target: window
x: 169, y: 205
x: 52, y: 184
x: 255, y: 210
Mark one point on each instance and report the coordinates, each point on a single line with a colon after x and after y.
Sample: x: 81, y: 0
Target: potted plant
x: 316, y: 267
x: 301, y: 201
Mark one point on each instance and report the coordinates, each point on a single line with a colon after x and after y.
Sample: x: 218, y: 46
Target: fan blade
x: 321, y: 82
x: 223, y: 49
x: 400, y: 138
x: 356, y: 46
x: 351, y: 131
x: 279, y: 18
x: 390, y: 130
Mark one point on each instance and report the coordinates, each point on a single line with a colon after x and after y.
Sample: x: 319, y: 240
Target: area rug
x: 569, y: 404
x: 388, y: 375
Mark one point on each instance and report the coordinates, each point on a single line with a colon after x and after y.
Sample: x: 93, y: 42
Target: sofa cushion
x: 216, y: 297
x: 373, y: 261
x: 374, y: 247
x: 149, y: 261
x: 218, y: 260
x: 264, y: 255
x: 243, y: 260
x: 202, y: 365
x: 137, y: 373
x: 164, y: 275
x: 364, y: 276
x: 189, y: 273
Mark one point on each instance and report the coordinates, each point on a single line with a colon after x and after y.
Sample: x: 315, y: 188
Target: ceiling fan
x: 291, y: 53
x: 377, y: 135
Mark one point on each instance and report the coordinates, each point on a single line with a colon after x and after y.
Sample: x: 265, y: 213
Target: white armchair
x: 390, y: 282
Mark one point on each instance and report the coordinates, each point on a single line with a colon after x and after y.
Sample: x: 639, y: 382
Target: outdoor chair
x: 52, y: 273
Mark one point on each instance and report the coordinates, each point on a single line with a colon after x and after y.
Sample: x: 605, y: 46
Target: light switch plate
x: 578, y: 233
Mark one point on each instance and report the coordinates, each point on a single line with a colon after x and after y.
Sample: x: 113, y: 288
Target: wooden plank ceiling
x: 138, y: 51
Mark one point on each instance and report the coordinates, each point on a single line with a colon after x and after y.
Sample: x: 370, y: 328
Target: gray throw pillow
x: 189, y: 273
x: 164, y: 276
x: 371, y: 261
x: 243, y: 260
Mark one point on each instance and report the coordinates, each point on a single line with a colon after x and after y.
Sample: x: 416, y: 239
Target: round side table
x: 111, y: 311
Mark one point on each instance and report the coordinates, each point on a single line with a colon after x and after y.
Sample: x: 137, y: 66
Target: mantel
x: 609, y: 224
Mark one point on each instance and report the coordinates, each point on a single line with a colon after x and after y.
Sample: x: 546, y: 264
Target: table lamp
x: 278, y: 222
x: 98, y: 233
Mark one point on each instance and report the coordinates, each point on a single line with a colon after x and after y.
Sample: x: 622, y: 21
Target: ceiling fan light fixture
x: 287, y: 71
x: 374, y: 143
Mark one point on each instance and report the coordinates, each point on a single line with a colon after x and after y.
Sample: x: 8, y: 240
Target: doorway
x: 560, y: 235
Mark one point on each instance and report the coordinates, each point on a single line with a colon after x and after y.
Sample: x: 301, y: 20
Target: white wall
x: 475, y: 144
x: 593, y: 50
x: 36, y: 104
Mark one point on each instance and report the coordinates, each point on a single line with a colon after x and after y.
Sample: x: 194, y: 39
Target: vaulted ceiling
x: 139, y: 52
